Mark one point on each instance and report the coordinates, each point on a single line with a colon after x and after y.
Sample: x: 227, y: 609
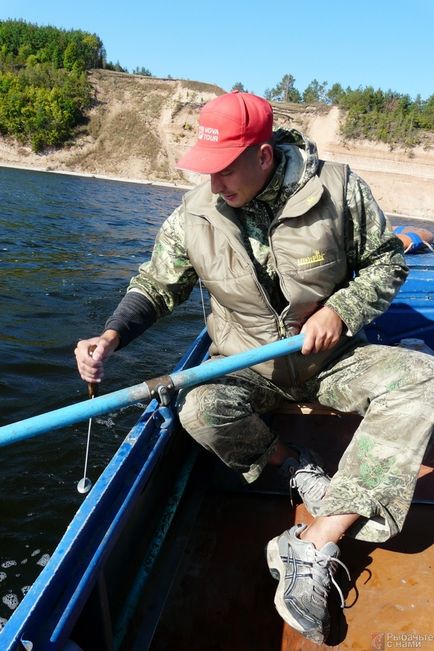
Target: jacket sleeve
x: 168, y: 278
x: 375, y: 256
x: 133, y: 315
x: 162, y: 283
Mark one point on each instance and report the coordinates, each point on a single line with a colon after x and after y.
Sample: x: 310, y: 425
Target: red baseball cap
x: 228, y: 125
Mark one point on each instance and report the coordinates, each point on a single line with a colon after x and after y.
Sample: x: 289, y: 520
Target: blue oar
x: 145, y: 391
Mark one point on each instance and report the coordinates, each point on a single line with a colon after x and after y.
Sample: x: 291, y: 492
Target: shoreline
x: 163, y: 184
x: 90, y: 175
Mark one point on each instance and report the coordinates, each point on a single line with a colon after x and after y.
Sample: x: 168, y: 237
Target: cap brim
x: 208, y: 160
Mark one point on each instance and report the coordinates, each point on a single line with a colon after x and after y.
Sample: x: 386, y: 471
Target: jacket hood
x: 301, y: 159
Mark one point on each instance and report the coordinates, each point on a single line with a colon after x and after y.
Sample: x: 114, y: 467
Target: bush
x: 385, y: 116
x: 44, y: 89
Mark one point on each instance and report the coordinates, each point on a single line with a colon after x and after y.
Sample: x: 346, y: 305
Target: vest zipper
x: 281, y: 328
x: 279, y: 317
x: 279, y: 323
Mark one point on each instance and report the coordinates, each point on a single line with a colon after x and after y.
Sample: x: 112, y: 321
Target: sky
x: 387, y: 44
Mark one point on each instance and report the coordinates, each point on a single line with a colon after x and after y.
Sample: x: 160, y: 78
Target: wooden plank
x: 223, y: 597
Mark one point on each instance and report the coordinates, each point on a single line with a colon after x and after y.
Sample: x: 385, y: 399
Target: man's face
x: 241, y: 181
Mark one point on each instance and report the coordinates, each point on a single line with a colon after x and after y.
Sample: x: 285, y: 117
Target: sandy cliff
x: 139, y: 127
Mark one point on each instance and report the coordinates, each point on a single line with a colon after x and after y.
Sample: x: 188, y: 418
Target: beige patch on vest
x: 317, y: 256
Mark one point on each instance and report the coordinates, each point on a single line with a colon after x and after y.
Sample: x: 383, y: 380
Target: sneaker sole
x: 277, y: 570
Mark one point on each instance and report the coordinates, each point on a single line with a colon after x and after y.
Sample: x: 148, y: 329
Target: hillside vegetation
x: 369, y: 113
x: 44, y: 90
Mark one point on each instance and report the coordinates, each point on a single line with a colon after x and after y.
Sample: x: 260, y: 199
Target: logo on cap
x: 208, y: 133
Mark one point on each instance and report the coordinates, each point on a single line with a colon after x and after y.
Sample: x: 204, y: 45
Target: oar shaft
x: 143, y: 392
x: 217, y: 368
x: 72, y: 414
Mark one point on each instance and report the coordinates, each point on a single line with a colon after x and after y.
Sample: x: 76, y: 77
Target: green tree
x: 239, y: 86
x: 388, y: 116
x: 316, y: 93
x: 72, y: 55
x: 284, y: 91
x: 145, y: 72
x: 116, y: 67
x: 427, y: 114
x: 335, y: 94
x: 49, y: 44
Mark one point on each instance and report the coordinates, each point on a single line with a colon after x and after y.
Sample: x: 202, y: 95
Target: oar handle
x: 92, y: 387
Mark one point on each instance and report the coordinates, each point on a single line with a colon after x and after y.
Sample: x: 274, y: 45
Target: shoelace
x: 314, y: 480
x: 329, y: 560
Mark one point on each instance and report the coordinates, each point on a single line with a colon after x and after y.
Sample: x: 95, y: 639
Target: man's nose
x: 217, y: 186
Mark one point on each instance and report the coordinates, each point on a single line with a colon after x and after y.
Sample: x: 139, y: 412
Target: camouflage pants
x: 392, y: 388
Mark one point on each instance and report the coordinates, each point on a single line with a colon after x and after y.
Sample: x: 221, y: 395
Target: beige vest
x: 308, y: 242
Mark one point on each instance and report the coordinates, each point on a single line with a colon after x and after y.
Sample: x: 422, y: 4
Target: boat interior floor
x: 221, y: 596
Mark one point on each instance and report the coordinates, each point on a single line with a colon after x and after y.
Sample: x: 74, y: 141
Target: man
x: 286, y: 243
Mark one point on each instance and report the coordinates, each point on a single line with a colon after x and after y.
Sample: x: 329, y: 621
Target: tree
x: 285, y: 91
x: 316, y: 93
x: 142, y: 71
x: 240, y: 87
x: 116, y: 67
x: 72, y: 55
x: 335, y: 94
x: 427, y: 114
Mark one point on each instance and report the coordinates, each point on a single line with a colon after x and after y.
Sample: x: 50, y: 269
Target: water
x: 68, y: 246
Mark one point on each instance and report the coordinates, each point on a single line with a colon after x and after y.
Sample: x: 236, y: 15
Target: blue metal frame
x: 412, y: 312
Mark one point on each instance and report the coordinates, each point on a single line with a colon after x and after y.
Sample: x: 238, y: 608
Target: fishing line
x: 85, y: 484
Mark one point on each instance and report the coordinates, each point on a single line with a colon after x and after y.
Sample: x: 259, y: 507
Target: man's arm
x: 168, y: 278
x: 377, y: 257
x: 161, y: 284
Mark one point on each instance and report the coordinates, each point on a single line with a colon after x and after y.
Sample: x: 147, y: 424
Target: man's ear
x: 266, y: 156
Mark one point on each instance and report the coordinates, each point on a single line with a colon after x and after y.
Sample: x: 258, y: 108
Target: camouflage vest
x: 308, y: 243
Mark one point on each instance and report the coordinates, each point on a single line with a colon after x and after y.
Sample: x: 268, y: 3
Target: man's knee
x: 191, y: 410
x: 213, y: 406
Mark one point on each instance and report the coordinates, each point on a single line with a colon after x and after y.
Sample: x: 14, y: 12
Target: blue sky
x: 388, y: 44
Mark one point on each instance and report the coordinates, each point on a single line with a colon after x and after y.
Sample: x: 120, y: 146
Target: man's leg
x: 371, y: 493
x: 225, y: 418
x: 393, y: 388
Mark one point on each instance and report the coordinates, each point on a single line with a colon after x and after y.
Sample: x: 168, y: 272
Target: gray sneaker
x: 309, y: 478
x: 305, y: 575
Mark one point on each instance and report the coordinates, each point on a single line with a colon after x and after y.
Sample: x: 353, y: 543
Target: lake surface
x: 68, y: 247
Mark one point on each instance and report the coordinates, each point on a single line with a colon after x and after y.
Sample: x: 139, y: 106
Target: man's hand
x: 322, y: 331
x: 91, y: 366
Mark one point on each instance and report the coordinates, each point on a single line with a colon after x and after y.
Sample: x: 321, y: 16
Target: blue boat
x: 150, y: 561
